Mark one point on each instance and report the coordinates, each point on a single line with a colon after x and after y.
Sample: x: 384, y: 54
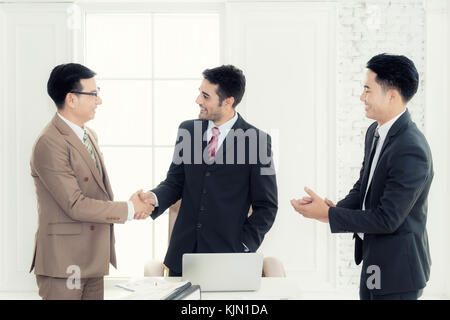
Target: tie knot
x: 85, y: 136
x: 215, y: 131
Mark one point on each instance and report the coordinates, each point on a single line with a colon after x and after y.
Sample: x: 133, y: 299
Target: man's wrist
x: 156, y: 199
x: 131, y: 210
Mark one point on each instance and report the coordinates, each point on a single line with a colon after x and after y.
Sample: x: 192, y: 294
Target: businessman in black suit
x: 222, y: 165
x: 387, y: 207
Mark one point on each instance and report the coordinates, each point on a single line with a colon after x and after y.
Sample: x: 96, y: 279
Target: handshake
x: 144, y: 204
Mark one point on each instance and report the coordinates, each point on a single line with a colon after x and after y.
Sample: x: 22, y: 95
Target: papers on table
x: 150, y: 288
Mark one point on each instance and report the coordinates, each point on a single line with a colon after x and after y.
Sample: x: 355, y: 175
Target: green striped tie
x: 90, y: 149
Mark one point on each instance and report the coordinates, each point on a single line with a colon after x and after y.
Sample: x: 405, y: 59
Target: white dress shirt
x: 79, y: 131
x: 224, y: 128
x: 382, y: 131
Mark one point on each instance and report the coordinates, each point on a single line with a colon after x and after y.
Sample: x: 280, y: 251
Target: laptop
x: 223, y: 271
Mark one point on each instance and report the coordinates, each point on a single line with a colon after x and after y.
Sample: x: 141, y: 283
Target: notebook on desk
x: 223, y: 271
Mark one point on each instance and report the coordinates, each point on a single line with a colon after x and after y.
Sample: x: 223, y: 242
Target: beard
x: 210, y: 115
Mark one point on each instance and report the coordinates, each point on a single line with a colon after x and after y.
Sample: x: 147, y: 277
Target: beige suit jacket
x: 75, y: 205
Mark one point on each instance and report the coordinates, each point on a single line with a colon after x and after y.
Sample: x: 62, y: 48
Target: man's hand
x: 147, y: 197
x: 313, y: 207
x: 141, y: 209
x: 329, y: 203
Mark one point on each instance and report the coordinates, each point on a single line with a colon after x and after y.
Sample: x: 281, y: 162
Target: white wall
x: 36, y: 39
x: 437, y: 119
x: 2, y: 134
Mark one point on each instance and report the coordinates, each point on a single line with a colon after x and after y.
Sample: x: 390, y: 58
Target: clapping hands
x: 313, y: 206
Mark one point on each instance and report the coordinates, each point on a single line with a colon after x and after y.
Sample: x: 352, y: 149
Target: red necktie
x: 212, y: 144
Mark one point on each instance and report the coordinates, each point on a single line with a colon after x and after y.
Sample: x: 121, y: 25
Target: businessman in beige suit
x: 75, y: 238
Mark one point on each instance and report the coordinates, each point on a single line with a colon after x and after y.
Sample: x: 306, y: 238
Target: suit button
x: 86, y: 179
x: 92, y: 228
x: 202, y: 208
x: 207, y: 174
x: 199, y: 226
x: 204, y: 191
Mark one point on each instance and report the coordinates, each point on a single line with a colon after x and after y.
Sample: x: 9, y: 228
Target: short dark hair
x: 395, y: 72
x: 231, y: 81
x: 65, y: 78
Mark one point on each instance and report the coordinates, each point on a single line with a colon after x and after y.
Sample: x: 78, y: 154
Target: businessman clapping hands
x: 313, y: 207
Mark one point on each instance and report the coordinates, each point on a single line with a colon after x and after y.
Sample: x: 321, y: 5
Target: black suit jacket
x: 395, y: 236
x: 213, y: 216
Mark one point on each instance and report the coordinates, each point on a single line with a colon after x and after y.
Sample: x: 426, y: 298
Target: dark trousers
x: 366, y: 294
x: 174, y: 274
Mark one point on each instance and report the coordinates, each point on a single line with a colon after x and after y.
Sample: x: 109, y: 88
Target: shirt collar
x: 384, y: 129
x: 76, y: 128
x: 224, y: 127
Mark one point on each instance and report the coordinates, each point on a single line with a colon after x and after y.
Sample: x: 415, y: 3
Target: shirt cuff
x: 156, y: 199
x: 130, y: 210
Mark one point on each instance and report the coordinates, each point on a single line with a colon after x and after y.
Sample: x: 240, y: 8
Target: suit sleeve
x: 264, y: 200
x: 171, y: 189
x: 409, y: 171
x: 51, y: 163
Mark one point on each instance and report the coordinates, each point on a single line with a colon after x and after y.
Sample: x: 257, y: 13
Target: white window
x: 149, y: 68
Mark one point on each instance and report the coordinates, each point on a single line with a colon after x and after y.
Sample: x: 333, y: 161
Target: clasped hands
x: 313, y: 206
x: 144, y: 204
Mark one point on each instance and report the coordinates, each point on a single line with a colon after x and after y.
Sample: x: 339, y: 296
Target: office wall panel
x: 437, y: 118
x: 37, y: 38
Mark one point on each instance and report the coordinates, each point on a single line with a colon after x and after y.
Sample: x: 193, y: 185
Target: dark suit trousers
x: 174, y: 274
x: 366, y: 294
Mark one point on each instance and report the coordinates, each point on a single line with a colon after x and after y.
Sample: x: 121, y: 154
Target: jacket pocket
x: 65, y: 228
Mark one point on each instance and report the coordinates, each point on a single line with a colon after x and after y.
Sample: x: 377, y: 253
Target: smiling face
x: 82, y: 106
x: 377, y: 100
x: 208, y: 101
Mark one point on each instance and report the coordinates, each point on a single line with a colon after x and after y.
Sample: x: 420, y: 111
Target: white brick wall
x: 367, y: 28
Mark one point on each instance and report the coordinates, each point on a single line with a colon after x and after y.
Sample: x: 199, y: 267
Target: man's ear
x: 228, y: 102
x: 394, y: 95
x: 70, y: 100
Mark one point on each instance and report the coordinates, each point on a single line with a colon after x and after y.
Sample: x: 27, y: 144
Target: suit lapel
x: 366, y: 163
x: 397, y: 127
x: 239, y: 124
x: 74, y: 141
x: 204, y: 136
x: 105, y: 181
x: 227, y: 144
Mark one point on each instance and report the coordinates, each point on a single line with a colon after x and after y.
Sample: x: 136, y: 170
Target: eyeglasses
x: 96, y: 94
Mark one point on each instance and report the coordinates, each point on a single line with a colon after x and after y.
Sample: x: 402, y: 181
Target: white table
x: 271, y: 288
